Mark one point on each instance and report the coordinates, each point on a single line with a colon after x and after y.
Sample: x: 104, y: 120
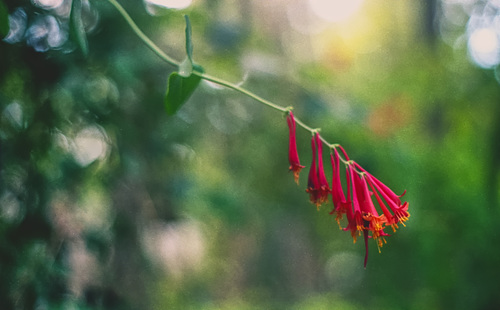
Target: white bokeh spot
x: 89, y: 145
x: 484, y: 47
x: 335, y: 10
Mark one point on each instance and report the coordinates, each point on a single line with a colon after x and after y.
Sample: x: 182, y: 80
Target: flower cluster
x: 362, y: 190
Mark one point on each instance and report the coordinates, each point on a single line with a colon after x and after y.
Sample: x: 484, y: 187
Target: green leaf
x: 77, y: 30
x: 4, y: 20
x: 179, y: 90
x: 182, y: 84
x: 189, y: 42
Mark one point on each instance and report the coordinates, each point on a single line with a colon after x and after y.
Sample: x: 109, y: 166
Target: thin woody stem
x: 248, y: 93
x: 145, y: 39
x: 142, y: 36
x: 311, y: 130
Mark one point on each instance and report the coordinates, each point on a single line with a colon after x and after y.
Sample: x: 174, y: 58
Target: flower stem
x: 142, y: 36
x: 237, y: 88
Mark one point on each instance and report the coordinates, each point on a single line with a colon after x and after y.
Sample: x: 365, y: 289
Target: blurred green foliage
x: 108, y: 203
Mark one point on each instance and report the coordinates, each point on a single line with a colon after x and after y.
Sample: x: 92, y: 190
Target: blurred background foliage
x: 107, y: 203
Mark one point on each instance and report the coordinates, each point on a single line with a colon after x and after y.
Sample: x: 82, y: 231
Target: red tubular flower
x: 340, y: 203
x: 317, y: 185
x: 375, y: 221
x: 324, y: 188
x: 399, y: 211
x: 356, y: 223
x: 312, y: 180
x: 372, y: 220
x: 293, y: 155
x: 337, y: 192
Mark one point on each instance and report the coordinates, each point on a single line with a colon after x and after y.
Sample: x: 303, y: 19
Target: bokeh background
x: 108, y: 203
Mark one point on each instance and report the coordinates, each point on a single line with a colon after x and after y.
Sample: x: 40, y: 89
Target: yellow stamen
x: 380, y: 242
x: 338, y: 217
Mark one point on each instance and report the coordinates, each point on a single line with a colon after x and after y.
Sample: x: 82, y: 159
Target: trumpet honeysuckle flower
x: 312, y: 179
x: 317, y: 185
x: 366, y: 217
x: 370, y: 215
x: 397, y: 212
x: 341, y: 205
x: 293, y: 155
x: 324, y: 187
x: 356, y: 225
x: 371, y: 219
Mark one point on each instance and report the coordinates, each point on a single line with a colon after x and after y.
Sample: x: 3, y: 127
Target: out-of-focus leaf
x: 179, y: 89
x: 182, y: 84
x: 77, y: 30
x: 4, y: 20
x: 189, y: 42
x: 186, y: 67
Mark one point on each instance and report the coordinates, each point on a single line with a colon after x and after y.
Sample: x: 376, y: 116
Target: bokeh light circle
x: 484, y: 47
x: 335, y: 10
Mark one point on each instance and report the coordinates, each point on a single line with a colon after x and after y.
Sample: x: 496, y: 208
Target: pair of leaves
x: 4, y: 20
x: 183, y: 83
